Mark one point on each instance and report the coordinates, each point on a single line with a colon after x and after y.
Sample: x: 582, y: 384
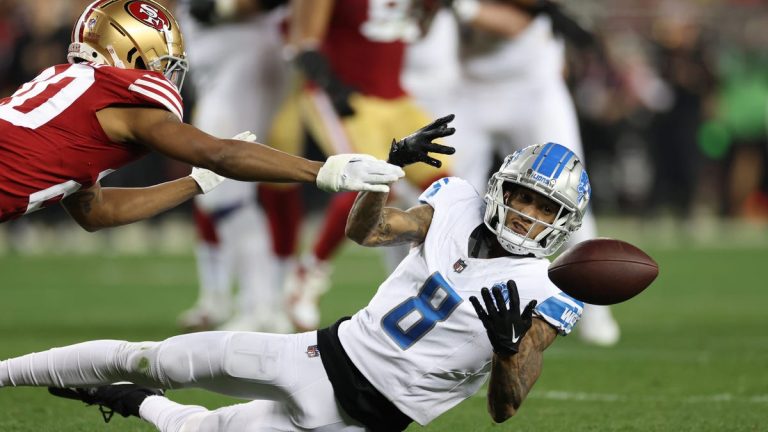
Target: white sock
x: 283, y: 266
x: 213, y: 273
x: 167, y: 415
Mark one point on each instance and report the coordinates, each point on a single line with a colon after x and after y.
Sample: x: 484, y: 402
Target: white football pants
x: 280, y: 371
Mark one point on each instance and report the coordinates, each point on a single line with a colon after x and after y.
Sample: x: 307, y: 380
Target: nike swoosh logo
x: 515, y: 338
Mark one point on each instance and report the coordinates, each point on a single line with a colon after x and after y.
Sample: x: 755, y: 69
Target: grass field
x: 693, y: 357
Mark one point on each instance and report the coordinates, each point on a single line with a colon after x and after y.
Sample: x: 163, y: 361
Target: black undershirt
x: 356, y: 395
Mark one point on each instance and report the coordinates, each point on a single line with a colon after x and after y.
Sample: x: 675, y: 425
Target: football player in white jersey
x: 512, y: 92
x: 236, y: 90
x: 422, y: 345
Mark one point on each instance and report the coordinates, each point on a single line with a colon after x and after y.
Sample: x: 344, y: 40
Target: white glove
x: 357, y: 172
x: 245, y: 136
x: 207, y: 179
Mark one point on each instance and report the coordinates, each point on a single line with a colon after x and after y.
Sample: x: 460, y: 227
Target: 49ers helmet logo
x: 148, y: 15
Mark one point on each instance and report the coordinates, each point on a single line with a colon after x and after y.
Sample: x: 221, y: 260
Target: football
x: 603, y: 271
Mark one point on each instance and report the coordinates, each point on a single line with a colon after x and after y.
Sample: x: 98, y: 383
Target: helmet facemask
x: 173, y: 67
x: 566, y: 187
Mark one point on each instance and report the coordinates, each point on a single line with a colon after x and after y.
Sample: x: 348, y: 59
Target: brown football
x: 603, y: 271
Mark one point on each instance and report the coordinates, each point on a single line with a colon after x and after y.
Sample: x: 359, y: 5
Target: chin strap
x: 115, y: 59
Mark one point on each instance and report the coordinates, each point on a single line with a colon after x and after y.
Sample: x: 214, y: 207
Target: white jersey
x: 419, y: 340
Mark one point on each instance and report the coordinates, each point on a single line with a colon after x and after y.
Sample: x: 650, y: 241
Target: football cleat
x: 123, y: 399
x: 598, y: 327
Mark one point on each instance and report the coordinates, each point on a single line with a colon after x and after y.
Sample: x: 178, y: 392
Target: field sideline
x: 693, y: 356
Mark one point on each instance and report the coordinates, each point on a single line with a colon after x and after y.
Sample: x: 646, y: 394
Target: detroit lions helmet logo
x: 584, y: 189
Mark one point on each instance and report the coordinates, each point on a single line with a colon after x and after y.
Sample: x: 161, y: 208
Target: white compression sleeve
x: 88, y: 363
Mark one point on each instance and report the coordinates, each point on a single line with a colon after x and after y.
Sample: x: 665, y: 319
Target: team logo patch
x: 584, y: 190
x: 313, y: 351
x: 459, y: 266
x: 89, y: 33
x: 504, y: 291
x: 148, y: 15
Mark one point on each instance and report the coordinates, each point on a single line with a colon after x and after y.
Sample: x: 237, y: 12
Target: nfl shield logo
x: 313, y: 351
x: 459, y: 266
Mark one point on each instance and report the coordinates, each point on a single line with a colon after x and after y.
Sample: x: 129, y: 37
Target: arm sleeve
x: 561, y: 311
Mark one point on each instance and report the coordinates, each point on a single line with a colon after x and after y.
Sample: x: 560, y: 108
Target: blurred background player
x: 512, y: 92
x: 236, y: 89
x: 350, y: 55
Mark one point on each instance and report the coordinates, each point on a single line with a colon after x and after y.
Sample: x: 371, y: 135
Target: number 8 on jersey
x: 416, y: 316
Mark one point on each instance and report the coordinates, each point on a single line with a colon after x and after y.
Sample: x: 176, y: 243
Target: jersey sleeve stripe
x: 560, y: 312
x: 165, y: 87
x: 154, y: 96
x: 167, y: 84
x: 570, y: 300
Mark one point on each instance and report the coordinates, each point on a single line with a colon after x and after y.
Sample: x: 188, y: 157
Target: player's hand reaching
x: 505, y: 327
x: 417, y: 146
x: 357, y: 172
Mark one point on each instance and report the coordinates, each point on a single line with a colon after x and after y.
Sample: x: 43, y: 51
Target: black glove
x: 315, y: 67
x: 505, y: 327
x: 204, y: 11
x: 565, y: 25
x: 416, y: 146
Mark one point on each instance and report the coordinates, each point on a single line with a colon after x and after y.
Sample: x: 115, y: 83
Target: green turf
x: 693, y: 357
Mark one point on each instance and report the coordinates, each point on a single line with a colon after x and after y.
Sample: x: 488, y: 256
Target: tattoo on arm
x: 84, y: 201
x: 384, y: 228
x: 513, y: 377
x: 371, y: 224
x: 396, y: 226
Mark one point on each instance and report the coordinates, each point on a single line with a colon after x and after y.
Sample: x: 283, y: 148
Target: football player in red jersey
x: 114, y: 102
x: 350, y: 54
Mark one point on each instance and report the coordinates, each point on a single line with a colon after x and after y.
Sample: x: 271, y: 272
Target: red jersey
x: 365, y: 44
x: 51, y: 143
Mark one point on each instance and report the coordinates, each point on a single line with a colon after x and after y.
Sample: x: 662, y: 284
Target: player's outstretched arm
x: 512, y: 377
x: 518, y: 341
x: 371, y: 224
x: 96, y: 207
x: 241, y: 160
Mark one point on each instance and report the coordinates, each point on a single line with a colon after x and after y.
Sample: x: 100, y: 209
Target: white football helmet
x: 553, y: 171
x: 130, y: 34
